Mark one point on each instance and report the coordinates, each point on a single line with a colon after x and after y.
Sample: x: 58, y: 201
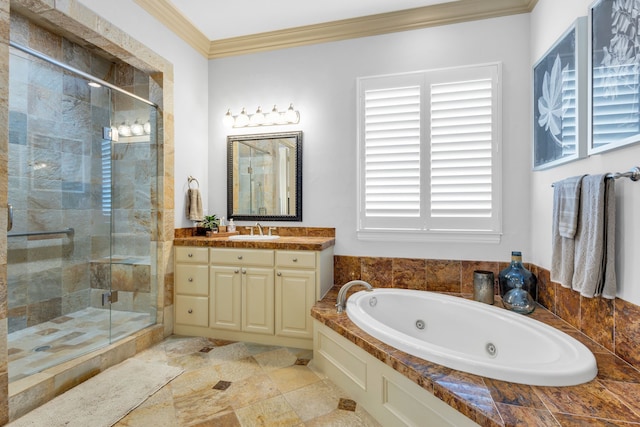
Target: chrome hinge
x: 109, y: 297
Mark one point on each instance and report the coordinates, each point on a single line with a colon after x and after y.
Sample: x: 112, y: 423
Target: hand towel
x: 567, y: 196
x: 194, y: 205
x: 594, y: 261
x: 566, y: 202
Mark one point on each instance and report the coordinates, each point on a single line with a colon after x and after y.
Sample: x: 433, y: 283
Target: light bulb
x: 228, y: 120
x: 124, y: 130
x: 147, y: 127
x: 292, y: 116
x: 242, y: 120
x: 274, y: 116
x: 137, y: 129
x: 258, y: 118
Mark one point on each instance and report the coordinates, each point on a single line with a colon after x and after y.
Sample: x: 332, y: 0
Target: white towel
x: 594, y: 261
x: 194, y: 205
x: 566, y: 203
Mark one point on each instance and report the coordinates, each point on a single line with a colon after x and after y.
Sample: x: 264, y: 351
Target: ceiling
x: 224, y: 19
x: 219, y: 28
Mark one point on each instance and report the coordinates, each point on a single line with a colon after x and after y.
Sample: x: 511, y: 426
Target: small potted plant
x: 210, y: 223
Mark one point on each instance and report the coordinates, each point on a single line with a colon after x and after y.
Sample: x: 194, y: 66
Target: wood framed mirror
x: 264, y: 177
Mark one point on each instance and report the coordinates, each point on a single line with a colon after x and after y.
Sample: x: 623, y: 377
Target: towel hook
x: 190, y: 179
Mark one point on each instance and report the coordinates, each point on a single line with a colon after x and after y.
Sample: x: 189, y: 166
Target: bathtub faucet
x: 342, y: 294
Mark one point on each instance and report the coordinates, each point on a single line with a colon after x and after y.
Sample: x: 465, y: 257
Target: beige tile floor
x: 228, y: 384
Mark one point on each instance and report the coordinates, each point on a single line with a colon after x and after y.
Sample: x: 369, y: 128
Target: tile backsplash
x: 614, y: 324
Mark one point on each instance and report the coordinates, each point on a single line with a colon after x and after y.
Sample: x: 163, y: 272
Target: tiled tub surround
x: 614, y: 324
x: 610, y: 399
x: 606, y: 327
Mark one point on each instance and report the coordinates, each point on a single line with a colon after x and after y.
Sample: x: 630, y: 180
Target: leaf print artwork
x: 620, y: 57
x: 550, y: 104
x: 615, y: 74
x: 556, y: 98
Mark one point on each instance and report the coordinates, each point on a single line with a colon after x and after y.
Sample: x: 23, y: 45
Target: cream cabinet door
x: 295, y: 295
x: 257, y: 297
x: 225, y: 298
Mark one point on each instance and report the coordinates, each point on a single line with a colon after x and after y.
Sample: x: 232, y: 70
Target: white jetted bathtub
x: 472, y: 337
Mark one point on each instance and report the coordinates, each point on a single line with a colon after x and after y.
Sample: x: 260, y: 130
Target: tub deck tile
x: 610, y: 399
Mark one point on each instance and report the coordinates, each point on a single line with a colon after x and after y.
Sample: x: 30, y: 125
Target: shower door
x: 80, y: 263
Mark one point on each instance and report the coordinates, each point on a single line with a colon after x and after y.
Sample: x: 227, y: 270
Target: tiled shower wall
x: 56, y: 122
x: 81, y: 24
x: 614, y: 324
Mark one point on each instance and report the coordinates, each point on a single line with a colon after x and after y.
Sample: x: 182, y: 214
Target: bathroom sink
x: 250, y: 238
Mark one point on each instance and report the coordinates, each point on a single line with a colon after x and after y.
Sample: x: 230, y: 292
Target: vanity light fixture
x: 136, y: 129
x: 274, y: 117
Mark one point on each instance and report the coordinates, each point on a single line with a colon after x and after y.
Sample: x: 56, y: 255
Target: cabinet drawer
x: 191, y: 254
x: 257, y: 257
x: 192, y: 279
x: 192, y: 310
x: 300, y: 259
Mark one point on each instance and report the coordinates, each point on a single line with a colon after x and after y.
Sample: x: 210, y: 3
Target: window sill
x: 452, y: 236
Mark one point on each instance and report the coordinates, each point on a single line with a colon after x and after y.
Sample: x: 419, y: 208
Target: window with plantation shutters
x: 428, y: 155
x: 105, y: 186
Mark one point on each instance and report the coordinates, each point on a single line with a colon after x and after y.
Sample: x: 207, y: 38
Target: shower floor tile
x: 48, y: 344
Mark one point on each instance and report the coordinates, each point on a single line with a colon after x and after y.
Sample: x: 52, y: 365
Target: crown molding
x: 404, y: 20
x: 165, y: 12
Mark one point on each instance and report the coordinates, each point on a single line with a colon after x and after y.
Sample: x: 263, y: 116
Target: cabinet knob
x: 190, y: 255
x: 190, y: 279
x: 239, y: 256
x: 295, y: 260
x: 244, y: 271
x: 278, y: 274
x: 236, y: 271
x: 190, y: 311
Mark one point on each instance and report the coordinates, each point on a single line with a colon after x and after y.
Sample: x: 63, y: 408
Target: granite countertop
x: 296, y: 243
x: 612, y: 398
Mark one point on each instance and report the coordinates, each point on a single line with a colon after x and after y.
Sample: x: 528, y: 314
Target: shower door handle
x: 9, y: 217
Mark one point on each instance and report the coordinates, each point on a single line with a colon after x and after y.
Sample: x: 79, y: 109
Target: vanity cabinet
x: 241, y: 286
x: 192, y: 286
x: 255, y: 295
x: 242, y: 293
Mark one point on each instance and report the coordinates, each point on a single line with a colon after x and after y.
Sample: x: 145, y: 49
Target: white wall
x: 190, y: 95
x: 549, y: 20
x: 321, y: 82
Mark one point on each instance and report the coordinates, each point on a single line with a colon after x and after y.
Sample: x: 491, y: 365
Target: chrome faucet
x: 342, y: 294
x: 260, y: 228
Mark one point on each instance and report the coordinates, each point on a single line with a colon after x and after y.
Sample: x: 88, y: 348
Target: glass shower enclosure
x: 82, y: 182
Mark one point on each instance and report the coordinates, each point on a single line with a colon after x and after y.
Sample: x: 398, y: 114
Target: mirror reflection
x: 265, y: 176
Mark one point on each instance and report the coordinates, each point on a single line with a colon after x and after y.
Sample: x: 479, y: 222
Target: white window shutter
x: 392, y: 146
x: 428, y: 153
x: 461, y: 152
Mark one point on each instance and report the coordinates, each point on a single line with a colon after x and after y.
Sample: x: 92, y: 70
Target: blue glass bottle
x: 517, y: 299
x: 506, y: 277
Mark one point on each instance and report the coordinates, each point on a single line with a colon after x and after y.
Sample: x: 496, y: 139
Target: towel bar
x: 633, y: 174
